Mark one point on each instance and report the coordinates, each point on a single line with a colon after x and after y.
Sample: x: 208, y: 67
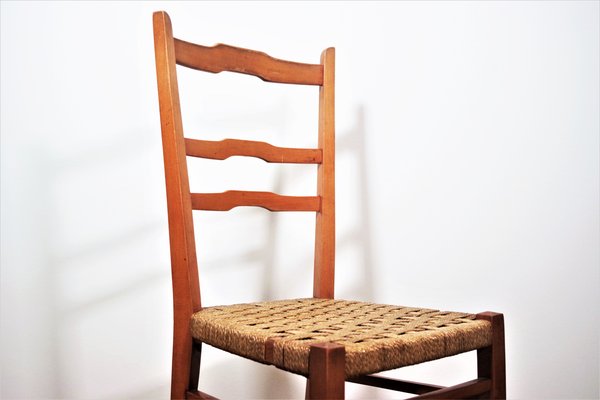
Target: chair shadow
x: 71, y: 312
x: 353, y: 143
x: 350, y: 144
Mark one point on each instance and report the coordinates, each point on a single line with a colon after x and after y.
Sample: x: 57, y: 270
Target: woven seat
x: 376, y: 337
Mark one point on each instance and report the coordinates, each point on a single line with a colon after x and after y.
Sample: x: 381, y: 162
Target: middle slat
x: 274, y: 202
x: 224, y: 149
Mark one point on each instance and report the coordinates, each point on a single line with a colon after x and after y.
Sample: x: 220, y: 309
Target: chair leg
x: 180, y: 368
x: 326, y: 375
x: 491, y: 362
x: 185, y: 367
x: 195, y: 365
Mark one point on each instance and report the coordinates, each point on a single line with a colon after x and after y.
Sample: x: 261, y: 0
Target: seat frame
x: 326, y: 376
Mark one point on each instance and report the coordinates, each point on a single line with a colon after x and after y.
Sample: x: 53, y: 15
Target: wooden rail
x: 395, y: 384
x: 224, y: 149
x: 222, y: 57
x: 273, y: 202
x: 465, y: 390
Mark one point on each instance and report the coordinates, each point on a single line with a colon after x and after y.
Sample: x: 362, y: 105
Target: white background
x: 467, y: 179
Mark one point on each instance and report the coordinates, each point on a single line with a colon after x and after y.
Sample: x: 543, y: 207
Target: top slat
x: 222, y: 57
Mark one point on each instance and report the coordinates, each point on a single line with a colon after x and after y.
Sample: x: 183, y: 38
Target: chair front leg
x: 326, y: 374
x: 491, y: 362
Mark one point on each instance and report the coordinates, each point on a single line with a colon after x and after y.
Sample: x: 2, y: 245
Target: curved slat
x: 232, y: 147
x: 222, y: 57
x: 234, y: 198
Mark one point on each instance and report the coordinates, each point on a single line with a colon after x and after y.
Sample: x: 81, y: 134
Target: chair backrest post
x: 324, y: 269
x: 184, y: 268
x: 181, y: 226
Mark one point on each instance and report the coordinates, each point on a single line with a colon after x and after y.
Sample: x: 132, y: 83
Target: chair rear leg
x: 491, y: 360
x: 326, y: 375
x: 180, y: 368
x: 186, y: 366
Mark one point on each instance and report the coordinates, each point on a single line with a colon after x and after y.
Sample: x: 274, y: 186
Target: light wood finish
x: 327, y: 361
x: 234, y: 198
x: 184, y: 269
x: 324, y: 275
x: 224, y: 149
x: 222, y: 57
x: 326, y: 371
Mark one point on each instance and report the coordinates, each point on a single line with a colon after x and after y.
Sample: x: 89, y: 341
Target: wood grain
x: 324, y: 273
x: 224, y: 149
x: 273, y: 202
x: 184, y: 269
x: 326, y: 376
x: 222, y: 57
x: 491, y: 361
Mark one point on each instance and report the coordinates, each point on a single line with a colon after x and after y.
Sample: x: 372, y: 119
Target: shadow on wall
x: 104, y: 272
x: 355, y: 237
x: 351, y: 145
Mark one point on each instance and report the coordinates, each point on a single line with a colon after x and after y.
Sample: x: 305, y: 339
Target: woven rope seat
x: 376, y: 337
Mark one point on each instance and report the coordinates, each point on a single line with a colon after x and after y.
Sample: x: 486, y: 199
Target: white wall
x: 468, y: 137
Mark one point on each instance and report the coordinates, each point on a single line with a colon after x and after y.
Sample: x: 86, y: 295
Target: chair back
x: 170, y: 52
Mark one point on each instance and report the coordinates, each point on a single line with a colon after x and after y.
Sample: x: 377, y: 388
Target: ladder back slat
x: 224, y: 149
x: 222, y: 57
x: 273, y: 202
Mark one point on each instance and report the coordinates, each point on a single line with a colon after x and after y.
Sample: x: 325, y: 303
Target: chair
x: 327, y: 340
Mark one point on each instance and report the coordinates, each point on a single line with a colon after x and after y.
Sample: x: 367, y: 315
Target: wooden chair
x: 328, y: 341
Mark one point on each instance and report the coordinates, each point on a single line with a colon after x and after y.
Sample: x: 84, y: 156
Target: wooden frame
x: 323, y: 283
x: 326, y: 375
x: 184, y: 268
